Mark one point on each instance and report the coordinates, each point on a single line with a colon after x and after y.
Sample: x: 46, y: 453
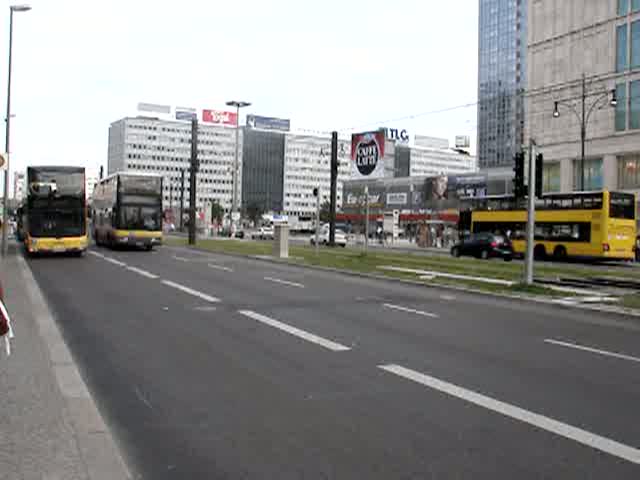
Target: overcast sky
x: 326, y: 64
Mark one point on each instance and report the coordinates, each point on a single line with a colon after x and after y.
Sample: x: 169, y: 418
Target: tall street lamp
x: 5, y: 210
x: 584, y: 115
x: 234, y: 199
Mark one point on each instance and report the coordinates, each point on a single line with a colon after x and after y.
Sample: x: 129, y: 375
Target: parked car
x: 340, y: 238
x: 264, y: 233
x: 484, y: 245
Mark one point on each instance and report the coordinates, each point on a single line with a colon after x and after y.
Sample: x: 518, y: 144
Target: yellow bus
x: 600, y: 225
x: 54, y: 215
x: 127, y: 210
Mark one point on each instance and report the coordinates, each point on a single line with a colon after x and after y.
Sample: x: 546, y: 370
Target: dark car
x: 484, y: 245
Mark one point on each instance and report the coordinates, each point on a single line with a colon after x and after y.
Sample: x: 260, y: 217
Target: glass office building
x: 501, y: 81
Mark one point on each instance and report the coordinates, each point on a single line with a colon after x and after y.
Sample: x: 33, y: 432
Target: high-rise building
x: 601, y: 43
x: 502, y: 47
x: 19, y: 186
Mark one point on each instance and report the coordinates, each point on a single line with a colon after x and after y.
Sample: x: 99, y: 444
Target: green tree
x: 254, y: 212
x: 217, y: 212
x: 325, y: 212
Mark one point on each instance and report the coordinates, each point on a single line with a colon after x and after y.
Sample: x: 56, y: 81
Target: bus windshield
x: 56, y: 222
x: 140, y: 218
x: 622, y: 205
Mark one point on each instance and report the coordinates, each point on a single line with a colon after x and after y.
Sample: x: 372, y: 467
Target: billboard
x: 268, y: 123
x: 185, y: 115
x: 367, y: 154
x: 463, y: 141
x: 154, y: 107
x: 444, y: 191
x: 220, y: 117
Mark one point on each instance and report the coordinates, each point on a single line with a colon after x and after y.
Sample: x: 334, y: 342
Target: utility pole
x: 583, y: 131
x: 192, y: 181
x: 181, y: 199
x: 334, y: 185
x: 531, y: 216
x: 366, y: 218
x: 317, y: 190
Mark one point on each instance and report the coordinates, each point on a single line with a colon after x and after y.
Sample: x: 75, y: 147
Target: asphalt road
x: 209, y: 366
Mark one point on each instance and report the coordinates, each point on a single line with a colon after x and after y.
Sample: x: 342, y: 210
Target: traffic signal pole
x: 531, y: 216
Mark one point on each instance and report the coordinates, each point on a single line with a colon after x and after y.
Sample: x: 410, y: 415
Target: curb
x: 625, y: 312
x: 97, y: 448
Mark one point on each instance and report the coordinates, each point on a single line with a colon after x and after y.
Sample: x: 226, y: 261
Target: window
x: 629, y: 172
x: 622, y: 205
x: 635, y: 44
x: 621, y: 107
x: 621, y: 48
x: 592, y: 174
x: 634, y: 101
x: 551, y: 177
x: 623, y: 7
x: 635, y: 5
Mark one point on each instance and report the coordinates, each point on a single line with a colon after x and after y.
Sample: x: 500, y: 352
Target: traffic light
x: 518, y: 180
x: 315, y: 191
x: 539, y: 171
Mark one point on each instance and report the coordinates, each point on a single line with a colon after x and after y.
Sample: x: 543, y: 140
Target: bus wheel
x: 539, y: 252
x: 560, y: 253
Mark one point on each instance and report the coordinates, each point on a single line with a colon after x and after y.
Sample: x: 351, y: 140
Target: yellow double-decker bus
x: 599, y: 225
x: 127, y: 210
x: 54, y: 215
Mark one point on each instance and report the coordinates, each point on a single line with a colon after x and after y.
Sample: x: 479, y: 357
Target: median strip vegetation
x: 357, y: 261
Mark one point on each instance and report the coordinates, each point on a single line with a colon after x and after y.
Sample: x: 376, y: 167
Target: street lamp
x: 584, y: 115
x: 5, y: 210
x: 234, y: 199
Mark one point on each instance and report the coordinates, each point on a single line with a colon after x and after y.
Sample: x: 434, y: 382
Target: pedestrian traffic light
x: 539, y: 172
x: 315, y: 192
x: 518, y: 180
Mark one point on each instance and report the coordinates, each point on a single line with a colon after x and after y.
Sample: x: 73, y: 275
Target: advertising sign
x: 446, y: 191
x: 396, y: 198
x: 367, y: 154
x: 154, y: 107
x: 268, y: 123
x: 397, y: 135
x: 220, y: 117
x: 463, y: 141
x: 184, y: 115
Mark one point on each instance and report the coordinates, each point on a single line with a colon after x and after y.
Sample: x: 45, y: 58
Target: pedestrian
x: 5, y: 324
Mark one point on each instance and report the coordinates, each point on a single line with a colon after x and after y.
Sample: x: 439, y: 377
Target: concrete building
x: 501, y: 82
x: 154, y: 145
x: 91, y: 179
x: 19, y: 186
x: 599, y: 39
x: 424, y: 161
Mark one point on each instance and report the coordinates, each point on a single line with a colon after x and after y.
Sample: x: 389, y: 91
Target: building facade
x: 19, y: 186
x: 501, y: 81
x: 153, y: 145
x: 600, y: 40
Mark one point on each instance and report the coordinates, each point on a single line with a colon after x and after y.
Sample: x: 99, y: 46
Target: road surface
x: 208, y: 366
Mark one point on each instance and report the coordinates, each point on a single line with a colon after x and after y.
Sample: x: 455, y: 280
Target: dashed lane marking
x: 191, y: 291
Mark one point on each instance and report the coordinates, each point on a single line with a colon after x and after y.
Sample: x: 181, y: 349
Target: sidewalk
x: 50, y: 428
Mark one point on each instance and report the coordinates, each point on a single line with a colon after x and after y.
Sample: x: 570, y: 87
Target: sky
x: 325, y: 64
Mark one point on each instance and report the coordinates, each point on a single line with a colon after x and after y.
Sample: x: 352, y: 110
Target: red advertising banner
x: 367, y: 154
x: 220, y: 117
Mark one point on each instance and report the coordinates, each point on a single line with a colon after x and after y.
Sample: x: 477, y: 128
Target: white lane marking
x: 309, y: 337
x: 284, y: 282
x: 584, y: 437
x: 95, y: 254
x: 180, y: 259
x: 448, y: 298
x: 205, y: 309
x: 191, y: 291
x: 410, y: 310
x: 144, y: 273
x: 142, y: 398
x: 115, y: 262
x: 220, y: 267
x: 592, y: 350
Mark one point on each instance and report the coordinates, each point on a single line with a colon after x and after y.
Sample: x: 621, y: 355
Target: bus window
x: 622, y: 205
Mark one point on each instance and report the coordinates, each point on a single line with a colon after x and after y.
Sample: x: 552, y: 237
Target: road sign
x: 235, y: 216
x: 4, y: 161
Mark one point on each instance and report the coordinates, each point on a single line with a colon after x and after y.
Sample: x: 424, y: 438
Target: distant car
x: 264, y: 233
x: 485, y: 246
x: 239, y: 234
x: 340, y: 238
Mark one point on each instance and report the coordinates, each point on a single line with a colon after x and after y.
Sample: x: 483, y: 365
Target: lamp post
x: 584, y: 115
x: 234, y: 199
x: 5, y: 210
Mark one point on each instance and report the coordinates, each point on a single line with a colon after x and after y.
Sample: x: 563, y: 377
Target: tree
x: 254, y: 212
x: 325, y: 212
x: 217, y: 212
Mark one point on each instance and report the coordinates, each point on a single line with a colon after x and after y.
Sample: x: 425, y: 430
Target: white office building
x: 19, y: 186
x: 153, y: 145
x: 92, y: 177
x: 307, y: 165
x: 426, y: 161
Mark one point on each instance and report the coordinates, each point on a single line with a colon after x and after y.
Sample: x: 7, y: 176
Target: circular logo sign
x: 3, y: 161
x: 367, y: 155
